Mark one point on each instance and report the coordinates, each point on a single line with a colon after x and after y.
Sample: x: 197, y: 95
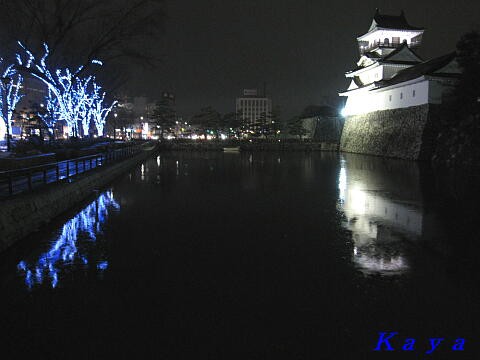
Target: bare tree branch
x: 79, y: 31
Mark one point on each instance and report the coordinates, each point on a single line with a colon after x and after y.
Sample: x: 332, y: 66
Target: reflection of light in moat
x: 367, y: 263
x: 372, y: 263
x: 378, y: 223
x: 64, y: 250
x: 342, y: 181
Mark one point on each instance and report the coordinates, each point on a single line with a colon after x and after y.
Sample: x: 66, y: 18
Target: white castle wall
x: 403, y: 96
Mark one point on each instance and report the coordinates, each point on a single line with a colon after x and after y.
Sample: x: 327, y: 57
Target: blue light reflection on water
x: 64, y: 249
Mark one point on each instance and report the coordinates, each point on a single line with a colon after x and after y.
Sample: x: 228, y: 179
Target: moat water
x: 251, y: 256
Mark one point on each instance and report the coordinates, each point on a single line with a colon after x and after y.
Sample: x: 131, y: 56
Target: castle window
x: 389, y: 97
x: 401, y: 95
x: 386, y: 42
x: 396, y: 40
x: 413, y: 93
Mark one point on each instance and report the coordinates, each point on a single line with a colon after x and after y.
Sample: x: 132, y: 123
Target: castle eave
x: 360, y: 89
x: 384, y: 85
x: 412, y: 32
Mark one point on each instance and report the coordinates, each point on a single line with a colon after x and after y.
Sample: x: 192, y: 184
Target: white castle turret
x: 389, y: 73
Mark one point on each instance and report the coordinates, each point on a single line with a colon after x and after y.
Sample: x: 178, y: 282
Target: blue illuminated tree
x: 64, y: 99
x: 69, y: 98
x: 98, y: 110
x: 79, y: 100
x: 10, y: 84
x: 51, y: 114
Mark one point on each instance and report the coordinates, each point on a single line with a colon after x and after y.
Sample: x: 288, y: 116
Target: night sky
x: 301, y: 48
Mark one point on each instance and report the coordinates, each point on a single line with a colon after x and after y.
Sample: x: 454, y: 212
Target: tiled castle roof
x: 430, y: 67
x: 391, y: 22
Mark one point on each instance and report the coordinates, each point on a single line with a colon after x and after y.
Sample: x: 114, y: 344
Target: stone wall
x: 324, y: 128
x: 407, y: 133
x: 458, y: 142
x: 28, y: 212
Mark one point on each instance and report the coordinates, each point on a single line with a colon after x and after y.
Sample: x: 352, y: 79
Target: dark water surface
x: 251, y: 256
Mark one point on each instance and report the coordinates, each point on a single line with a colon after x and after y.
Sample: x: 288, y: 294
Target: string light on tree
x: 10, y: 84
x: 71, y: 98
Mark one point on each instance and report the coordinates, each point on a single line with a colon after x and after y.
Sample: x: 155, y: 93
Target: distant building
x: 25, y: 121
x: 390, y: 74
x: 35, y: 92
x: 167, y: 100
x: 251, y: 106
x: 140, y: 109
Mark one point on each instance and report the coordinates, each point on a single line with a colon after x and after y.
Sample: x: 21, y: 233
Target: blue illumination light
x: 70, y: 98
x: 98, y: 111
x: 28, y: 279
x: 64, y: 251
x: 22, y: 265
x: 10, y: 84
x: 52, y: 112
x: 103, y: 265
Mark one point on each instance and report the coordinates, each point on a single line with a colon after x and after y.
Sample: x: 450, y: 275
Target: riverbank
x: 246, y: 145
x: 31, y: 153
x: 27, y: 213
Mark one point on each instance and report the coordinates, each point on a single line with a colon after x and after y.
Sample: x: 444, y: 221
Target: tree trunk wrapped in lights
x: 98, y: 111
x: 71, y: 98
x: 10, y: 84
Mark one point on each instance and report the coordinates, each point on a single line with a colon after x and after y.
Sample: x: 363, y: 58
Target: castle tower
x: 385, y: 49
x: 388, y: 32
x: 390, y: 86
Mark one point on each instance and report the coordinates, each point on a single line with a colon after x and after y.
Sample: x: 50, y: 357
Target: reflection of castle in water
x: 66, y: 249
x: 381, y: 201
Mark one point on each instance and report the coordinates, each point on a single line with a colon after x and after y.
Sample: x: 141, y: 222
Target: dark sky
x: 301, y: 48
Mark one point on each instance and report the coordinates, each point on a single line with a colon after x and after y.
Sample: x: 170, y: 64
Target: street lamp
x: 24, y: 119
x: 115, y: 126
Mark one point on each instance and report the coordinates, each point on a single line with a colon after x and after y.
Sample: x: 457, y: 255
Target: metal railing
x: 17, y: 181
x: 382, y: 44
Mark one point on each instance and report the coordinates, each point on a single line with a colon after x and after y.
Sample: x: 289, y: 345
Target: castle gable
x: 451, y: 68
x: 402, y: 54
x: 436, y: 67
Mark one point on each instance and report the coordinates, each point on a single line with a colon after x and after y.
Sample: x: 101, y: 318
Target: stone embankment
x: 27, y: 213
x: 408, y: 133
x: 458, y: 143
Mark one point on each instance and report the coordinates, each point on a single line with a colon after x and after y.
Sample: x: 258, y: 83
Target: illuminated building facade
x: 251, y: 106
x: 390, y: 74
